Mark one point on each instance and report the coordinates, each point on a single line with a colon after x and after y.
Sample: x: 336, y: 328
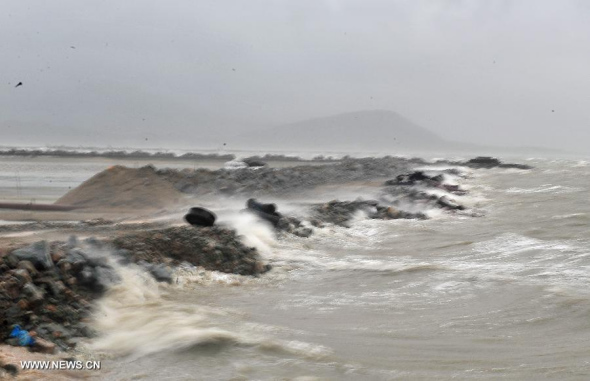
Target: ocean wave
x: 546, y: 188
x: 139, y: 317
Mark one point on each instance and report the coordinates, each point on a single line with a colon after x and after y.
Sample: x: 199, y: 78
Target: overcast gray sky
x: 183, y: 71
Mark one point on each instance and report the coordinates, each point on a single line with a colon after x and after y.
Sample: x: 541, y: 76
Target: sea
x: 500, y: 293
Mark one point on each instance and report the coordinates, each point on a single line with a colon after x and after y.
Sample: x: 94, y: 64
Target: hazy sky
x: 180, y: 71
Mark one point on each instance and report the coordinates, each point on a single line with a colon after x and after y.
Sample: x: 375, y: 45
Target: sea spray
x: 136, y: 318
x: 254, y: 232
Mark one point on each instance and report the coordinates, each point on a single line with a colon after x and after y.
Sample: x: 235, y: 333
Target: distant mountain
x: 361, y: 130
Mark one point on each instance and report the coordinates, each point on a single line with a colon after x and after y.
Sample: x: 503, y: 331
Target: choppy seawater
x: 502, y: 296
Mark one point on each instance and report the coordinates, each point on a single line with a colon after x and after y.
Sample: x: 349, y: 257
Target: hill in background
x: 362, y: 130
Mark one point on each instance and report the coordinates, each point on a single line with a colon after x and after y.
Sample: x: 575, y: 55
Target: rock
x: 54, y: 330
x: 254, y: 163
x: 38, y: 254
x: 267, y: 212
x: 72, y: 241
x: 33, y: 294
x: 488, y: 162
x: 27, y: 265
x: 161, y: 273
x: 97, y: 279
x: 57, y: 288
x: 94, y: 242
x: 43, y: 346
x: 200, y: 217
x: 11, y: 260
x: 86, y: 331
x: 303, y: 232
x: 22, y: 275
x: 393, y: 213
x: 58, y: 255
x: 413, y: 178
x: 10, y: 369
x: 449, y: 204
x: 214, y: 248
x: 76, y: 258
x: 484, y: 162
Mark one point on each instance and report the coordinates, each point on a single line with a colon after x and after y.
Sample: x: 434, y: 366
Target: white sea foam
x: 546, y: 188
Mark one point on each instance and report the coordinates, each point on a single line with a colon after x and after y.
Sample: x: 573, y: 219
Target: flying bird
x: 18, y: 84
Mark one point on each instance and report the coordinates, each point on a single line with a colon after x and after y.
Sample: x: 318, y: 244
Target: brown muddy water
x: 500, y: 296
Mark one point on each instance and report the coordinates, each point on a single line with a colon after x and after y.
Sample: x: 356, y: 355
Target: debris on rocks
x: 200, y: 217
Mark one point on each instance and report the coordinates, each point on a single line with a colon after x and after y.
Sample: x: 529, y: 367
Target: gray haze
x: 193, y: 73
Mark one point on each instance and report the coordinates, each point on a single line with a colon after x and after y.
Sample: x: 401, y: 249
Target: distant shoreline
x: 139, y: 154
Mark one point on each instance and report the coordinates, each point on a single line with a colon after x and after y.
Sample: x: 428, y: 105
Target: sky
x: 185, y: 73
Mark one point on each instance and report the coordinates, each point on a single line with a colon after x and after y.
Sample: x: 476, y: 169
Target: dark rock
x: 250, y: 162
x: 11, y: 260
x: 10, y: 369
x: 57, y: 288
x: 267, y: 212
x: 484, y: 162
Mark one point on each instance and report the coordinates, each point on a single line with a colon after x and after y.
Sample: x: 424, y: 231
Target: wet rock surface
x: 265, y: 180
x: 486, y: 162
x: 46, y: 288
x: 419, y: 178
x: 214, y: 248
x: 342, y: 212
x: 281, y: 223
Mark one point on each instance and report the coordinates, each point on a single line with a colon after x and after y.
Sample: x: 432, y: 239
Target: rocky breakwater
x: 47, y: 289
x: 266, y: 180
x: 423, y: 190
x: 214, y: 248
x: 342, y: 212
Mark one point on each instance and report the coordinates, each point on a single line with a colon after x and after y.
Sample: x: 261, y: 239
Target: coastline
x: 265, y: 181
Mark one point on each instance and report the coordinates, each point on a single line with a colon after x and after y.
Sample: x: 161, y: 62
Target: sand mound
x: 122, y: 187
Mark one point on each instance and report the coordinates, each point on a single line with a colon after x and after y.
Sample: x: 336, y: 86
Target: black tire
x: 200, y: 217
